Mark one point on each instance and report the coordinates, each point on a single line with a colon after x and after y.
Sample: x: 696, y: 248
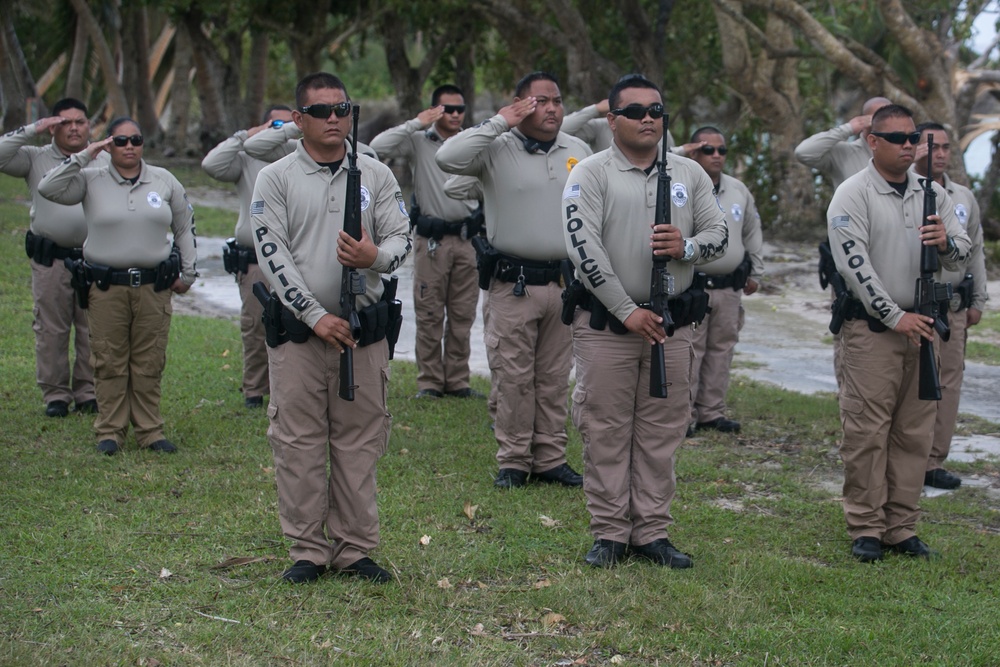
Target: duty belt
x: 510, y: 269
x: 435, y: 228
x: 131, y: 277
x: 727, y: 281
x: 44, y: 250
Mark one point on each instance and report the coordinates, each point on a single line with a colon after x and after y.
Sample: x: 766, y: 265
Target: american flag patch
x: 840, y: 221
x: 572, y: 191
x: 257, y: 207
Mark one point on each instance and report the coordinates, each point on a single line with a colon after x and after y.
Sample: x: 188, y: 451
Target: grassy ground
x: 130, y: 560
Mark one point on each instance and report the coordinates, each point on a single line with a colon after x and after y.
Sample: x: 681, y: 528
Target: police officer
x: 445, y: 289
x: 730, y: 277
x: 833, y: 153
x: 875, y: 228
x: 522, y: 159
x: 56, y: 232
x: 629, y: 437
x: 590, y: 124
x: 277, y: 141
x: 297, y: 215
x: 229, y: 163
x: 131, y: 209
x: 965, y: 310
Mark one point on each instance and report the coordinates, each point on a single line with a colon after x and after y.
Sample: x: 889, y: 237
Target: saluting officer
x: 228, y: 162
x: 965, y: 310
x: 56, y: 233
x: 729, y: 278
x: 522, y: 159
x: 876, y: 228
x: 298, y: 215
x: 833, y: 153
x: 629, y: 437
x: 445, y: 289
x: 277, y: 141
x: 131, y: 209
x: 590, y: 124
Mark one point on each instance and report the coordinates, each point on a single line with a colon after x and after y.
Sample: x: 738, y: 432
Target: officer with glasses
x: 591, y: 124
x: 132, y: 210
x: 56, y: 232
x: 610, y: 231
x: 281, y: 138
x: 522, y: 160
x: 833, y: 152
x: 445, y: 287
x: 729, y: 278
x: 229, y: 163
x: 876, y: 229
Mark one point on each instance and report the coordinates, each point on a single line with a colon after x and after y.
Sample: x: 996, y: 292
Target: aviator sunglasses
x: 710, y: 150
x: 636, y: 112
x: 899, y: 138
x: 323, y: 111
x: 120, y: 140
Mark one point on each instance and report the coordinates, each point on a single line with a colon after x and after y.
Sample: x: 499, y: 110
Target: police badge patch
x: 402, y: 205
x: 366, y: 198
x: 737, y: 212
x: 679, y: 195
x: 962, y: 214
x: 154, y: 199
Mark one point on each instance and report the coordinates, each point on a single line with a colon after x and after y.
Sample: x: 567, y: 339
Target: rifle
x: 929, y: 294
x: 352, y: 283
x: 661, y: 282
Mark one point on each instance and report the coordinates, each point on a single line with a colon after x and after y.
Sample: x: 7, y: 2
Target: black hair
x: 274, y: 107
x: 121, y: 120
x: 705, y: 129
x: 69, y: 103
x: 891, y: 111
x: 522, y: 86
x: 630, y: 81
x: 446, y: 89
x: 930, y: 125
x: 317, y: 81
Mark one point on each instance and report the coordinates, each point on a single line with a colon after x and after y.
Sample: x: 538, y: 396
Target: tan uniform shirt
x: 833, y: 154
x: 609, y: 205
x: 128, y: 226
x: 298, y: 212
x: 419, y: 146
x: 967, y: 213
x: 522, y: 190
x: 229, y: 163
x: 876, y: 245
x: 274, y: 143
x: 592, y: 127
x: 744, y: 229
x: 62, y: 224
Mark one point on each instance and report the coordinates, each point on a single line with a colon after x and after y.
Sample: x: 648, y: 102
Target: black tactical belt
x: 44, y: 251
x: 132, y: 277
x: 510, y: 269
x: 727, y: 281
x: 435, y: 228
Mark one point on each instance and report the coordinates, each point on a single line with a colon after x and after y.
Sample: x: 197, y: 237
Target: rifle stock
x: 352, y: 283
x: 661, y: 282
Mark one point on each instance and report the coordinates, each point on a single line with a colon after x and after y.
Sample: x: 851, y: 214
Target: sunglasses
x: 710, y: 150
x: 636, y: 112
x: 323, y: 111
x: 899, y: 138
x: 277, y: 122
x: 121, y: 140
x: 454, y: 108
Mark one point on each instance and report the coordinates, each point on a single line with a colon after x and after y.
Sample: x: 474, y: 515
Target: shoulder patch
x: 257, y: 207
x: 402, y: 205
x: 838, y: 221
x: 572, y: 191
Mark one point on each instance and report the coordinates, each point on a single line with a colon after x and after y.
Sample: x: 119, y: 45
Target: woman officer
x: 131, y: 208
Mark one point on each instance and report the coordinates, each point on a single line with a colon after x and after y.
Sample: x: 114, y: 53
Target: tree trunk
x: 137, y: 26
x: 256, y: 79
x: 180, y: 93
x: 116, y: 94
x: 16, y: 82
x: 208, y: 81
x: 77, y: 63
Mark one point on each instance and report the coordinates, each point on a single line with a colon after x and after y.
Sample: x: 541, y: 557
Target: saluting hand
x: 356, y: 254
x: 43, y: 124
x: 94, y: 149
x: 428, y: 117
x: 861, y: 124
x: 934, y: 233
x: 647, y: 324
x: 335, y: 331
x: 915, y: 327
x: 517, y: 111
x: 667, y: 240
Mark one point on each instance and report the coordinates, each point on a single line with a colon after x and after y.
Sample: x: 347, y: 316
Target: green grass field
x: 145, y: 559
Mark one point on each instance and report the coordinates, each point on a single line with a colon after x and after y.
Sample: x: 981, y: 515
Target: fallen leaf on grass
x: 444, y: 583
x: 544, y: 583
x: 165, y: 573
x: 552, y: 618
x: 470, y: 510
x: 241, y: 560
x: 617, y: 659
x: 425, y: 540
x: 225, y: 367
x: 478, y: 631
x: 225, y: 353
x: 549, y: 522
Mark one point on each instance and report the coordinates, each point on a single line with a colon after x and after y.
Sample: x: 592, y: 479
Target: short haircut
x: 69, y: 103
x: 317, y: 81
x: 273, y: 108
x: 930, y: 125
x: 118, y: 122
x: 630, y: 81
x: 873, y: 104
x: 890, y: 111
x: 446, y: 89
x: 705, y: 129
x: 522, y: 86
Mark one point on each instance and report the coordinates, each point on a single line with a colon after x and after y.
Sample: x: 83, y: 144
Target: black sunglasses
x: 710, y: 150
x: 636, y: 112
x: 323, y: 111
x: 454, y: 108
x: 120, y: 140
x: 899, y: 138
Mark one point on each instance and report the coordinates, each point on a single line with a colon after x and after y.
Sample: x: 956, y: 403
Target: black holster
x: 689, y: 307
x: 236, y: 258
x: 574, y: 295
x: 79, y: 280
x: 486, y: 260
x: 964, y: 291
x: 382, y: 319
x: 168, y: 271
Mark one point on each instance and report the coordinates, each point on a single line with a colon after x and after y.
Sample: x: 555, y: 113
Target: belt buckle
x: 135, y: 277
